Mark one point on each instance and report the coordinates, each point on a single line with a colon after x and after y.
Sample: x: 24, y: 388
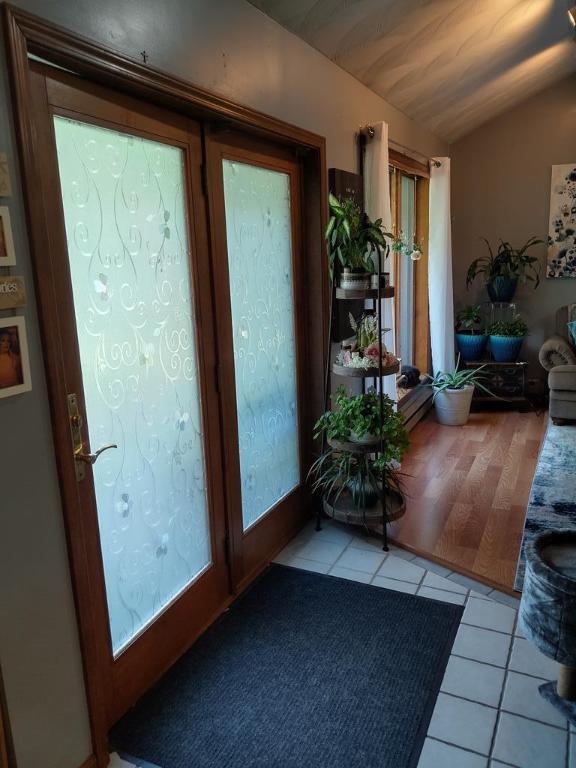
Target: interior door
x: 263, y: 348
x: 135, y: 338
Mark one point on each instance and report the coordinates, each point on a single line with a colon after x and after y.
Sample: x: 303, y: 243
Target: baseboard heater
x: 415, y: 405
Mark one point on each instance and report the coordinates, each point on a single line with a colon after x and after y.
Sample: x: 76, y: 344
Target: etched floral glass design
x: 125, y: 214
x: 258, y: 228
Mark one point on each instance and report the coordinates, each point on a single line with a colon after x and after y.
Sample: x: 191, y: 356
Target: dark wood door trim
x: 27, y: 34
x: 251, y: 549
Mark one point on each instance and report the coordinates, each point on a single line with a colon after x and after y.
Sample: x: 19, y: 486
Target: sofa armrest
x: 556, y: 351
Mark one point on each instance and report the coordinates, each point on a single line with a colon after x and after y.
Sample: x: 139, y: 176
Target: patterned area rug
x: 552, y: 502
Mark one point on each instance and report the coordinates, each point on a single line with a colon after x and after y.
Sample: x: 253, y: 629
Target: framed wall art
x: 562, y: 226
x: 14, y: 362
x: 7, y: 255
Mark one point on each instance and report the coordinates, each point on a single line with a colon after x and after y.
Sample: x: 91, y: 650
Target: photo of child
x: 14, y: 365
x: 10, y: 363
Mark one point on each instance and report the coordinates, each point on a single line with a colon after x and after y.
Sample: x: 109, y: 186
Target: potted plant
x: 453, y: 393
x: 506, y: 337
x: 358, y: 475
x: 363, y: 349
x: 353, y: 478
x: 503, y: 270
x: 357, y: 419
x: 353, y: 242
x: 470, y: 336
x: 401, y: 246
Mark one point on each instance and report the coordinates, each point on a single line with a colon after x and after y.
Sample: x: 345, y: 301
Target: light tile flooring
x: 489, y: 713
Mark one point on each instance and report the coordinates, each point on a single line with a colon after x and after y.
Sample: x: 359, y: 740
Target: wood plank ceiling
x: 448, y: 64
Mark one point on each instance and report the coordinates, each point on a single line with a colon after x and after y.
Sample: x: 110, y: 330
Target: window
x: 409, y: 201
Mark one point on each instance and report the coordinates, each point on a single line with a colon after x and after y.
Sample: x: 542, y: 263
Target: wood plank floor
x: 467, y: 490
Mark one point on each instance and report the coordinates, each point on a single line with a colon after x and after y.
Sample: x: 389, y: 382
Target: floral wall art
x: 562, y: 227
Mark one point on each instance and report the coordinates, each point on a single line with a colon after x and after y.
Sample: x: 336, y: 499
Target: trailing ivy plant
x: 515, y: 328
x: 510, y: 262
x: 360, y: 414
x: 353, y: 240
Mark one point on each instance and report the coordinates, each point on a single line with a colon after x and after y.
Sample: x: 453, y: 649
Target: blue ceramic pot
x: 502, y: 288
x: 471, y: 346
x: 505, y: 349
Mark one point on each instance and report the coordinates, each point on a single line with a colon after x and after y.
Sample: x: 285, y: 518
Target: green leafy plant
x: 510, y: 262
x: 360, y: 414
x: 352, y: 238
x: 468, y: 319
x: 336, y: 472
x: 401, y: 245
x: 515, y: 328
x: 458, y: 379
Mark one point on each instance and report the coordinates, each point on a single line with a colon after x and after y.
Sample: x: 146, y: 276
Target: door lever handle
x: 91, y: 458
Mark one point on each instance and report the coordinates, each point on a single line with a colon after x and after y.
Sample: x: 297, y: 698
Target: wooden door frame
x: 28, y: 35
x: 281, y: 521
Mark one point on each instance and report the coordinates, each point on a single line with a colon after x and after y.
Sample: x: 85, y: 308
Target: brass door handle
x: 91, y: 458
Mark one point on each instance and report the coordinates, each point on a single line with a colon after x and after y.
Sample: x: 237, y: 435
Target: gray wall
x: 501, y: 188
x: 229, y: 47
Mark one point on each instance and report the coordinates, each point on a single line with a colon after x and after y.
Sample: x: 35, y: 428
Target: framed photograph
x: 7, y: 255
x: 14, y: 363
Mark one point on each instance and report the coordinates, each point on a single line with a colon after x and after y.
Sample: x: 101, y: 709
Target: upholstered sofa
x: 558, y: 357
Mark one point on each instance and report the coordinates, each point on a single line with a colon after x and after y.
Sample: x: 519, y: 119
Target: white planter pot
x: 453, y: 405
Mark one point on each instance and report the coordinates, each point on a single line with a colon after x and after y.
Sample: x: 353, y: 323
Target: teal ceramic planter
x: 471, y: 346
x: 502, y: 288
x: 505, y: 349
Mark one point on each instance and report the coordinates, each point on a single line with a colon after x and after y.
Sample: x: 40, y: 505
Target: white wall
x: 229, y: 47
x: 501, y: 188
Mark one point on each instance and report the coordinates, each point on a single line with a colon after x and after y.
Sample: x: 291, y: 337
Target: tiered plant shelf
x: 363, y: 435
x: 390, y: 505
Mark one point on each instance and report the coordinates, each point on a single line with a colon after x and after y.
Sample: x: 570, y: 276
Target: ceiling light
x: 572, y: 15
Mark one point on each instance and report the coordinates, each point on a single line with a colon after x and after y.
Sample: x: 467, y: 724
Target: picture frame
x: 14, y: 360
x: 7, y: 253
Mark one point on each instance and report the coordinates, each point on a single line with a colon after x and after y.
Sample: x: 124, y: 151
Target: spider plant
x: 508, y: 262
x: 337, y: 472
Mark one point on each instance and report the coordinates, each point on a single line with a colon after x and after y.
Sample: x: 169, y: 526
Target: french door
x: 176, y: 332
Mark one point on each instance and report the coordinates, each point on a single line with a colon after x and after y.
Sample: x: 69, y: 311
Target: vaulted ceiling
x: 448, y: 64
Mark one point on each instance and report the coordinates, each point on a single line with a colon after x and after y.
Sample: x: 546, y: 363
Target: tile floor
x: 489, y: 713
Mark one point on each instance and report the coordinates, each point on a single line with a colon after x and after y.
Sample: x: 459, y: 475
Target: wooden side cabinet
x: 506, y: 380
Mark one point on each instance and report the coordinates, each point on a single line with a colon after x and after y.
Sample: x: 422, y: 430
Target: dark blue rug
x: 304, y: 671
x: 552, y: 502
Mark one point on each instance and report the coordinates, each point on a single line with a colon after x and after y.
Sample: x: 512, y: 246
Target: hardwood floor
x: 467, y: 489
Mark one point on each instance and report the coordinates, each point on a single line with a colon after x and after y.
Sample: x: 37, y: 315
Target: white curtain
x: 377, y: 205
x: 440, y: 295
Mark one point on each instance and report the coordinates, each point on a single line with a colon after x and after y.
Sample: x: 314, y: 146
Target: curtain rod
x: 367, y: 131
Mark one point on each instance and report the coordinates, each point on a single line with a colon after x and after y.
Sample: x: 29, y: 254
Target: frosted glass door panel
x: 125, y: 213
x: 258, y: 228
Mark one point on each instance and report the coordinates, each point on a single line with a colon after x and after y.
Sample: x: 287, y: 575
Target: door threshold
x: 455, y: 568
